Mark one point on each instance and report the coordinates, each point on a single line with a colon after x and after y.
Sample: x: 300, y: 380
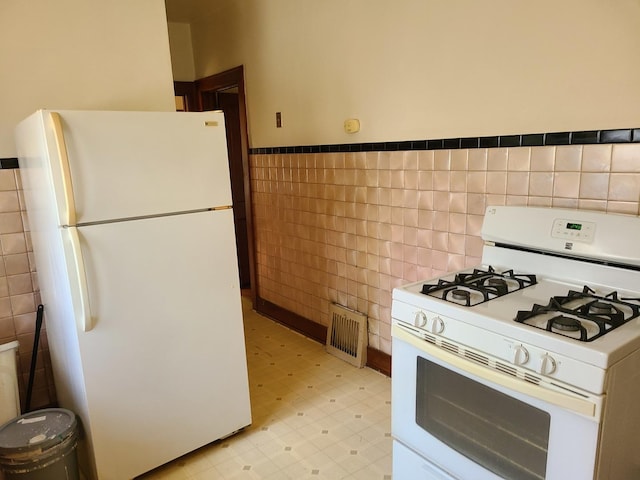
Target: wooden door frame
x: 233, y: 77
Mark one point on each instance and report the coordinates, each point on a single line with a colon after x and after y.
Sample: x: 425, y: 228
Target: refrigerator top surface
x: 136, y: 164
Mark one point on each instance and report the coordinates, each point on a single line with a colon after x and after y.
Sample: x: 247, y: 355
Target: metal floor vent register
x: 347, y: 335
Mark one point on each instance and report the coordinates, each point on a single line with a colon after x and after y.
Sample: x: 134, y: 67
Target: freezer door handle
x: 67, y: 186
x: 81, y: 277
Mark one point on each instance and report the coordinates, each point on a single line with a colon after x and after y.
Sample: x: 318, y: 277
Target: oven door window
x: 501, y: 433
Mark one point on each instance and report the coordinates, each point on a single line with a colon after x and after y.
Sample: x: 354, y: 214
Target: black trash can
x: 40, y: 445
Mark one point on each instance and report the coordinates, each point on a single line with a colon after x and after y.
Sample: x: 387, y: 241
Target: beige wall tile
x: 478, y: 158
x: 410, y: 160
x: 425, y: 200
x: 625, y: 158
x: 517, y: 200
x: 568, y: 158
x: 425, y: 219
x: 440, y: 242
x: 441, y: 201
x: 630, y: 208
x: 599, y: 205
x: 441, y: 181
x: 624, y: 187
x: 476, y: 203
x: 411, y: 199
x: 7, y: 180
x: 426, y: 160
x: 564, y: 202
x: 477, y: 182
x: 425, y: 238
x: 473, y: 246
x: 495, y: 199
x: 458, y: 202
x: 9, y: 201
x: 11, y: 223
x: 441, y: 221
x: 455, y: 262
x: 519, y: 159
x: 594, y: 186
x: 460, y: 160
x: 21, y: 304
x: 411, y: 179
x: 442, y: 160
x: 517, y: 183
x: 473, y: 224
x: 425, y: 180
x: 458, y: 181
x: 543, y: 159
x: 496, y: 182
x: 354, y: 237
x: 19, y: 284
x: 541, y: 184
x: 540, y: 201
x: 15, y: 264
x: 596, y: 158
x: 456, y: 245
x: 497, y: 159
x: 566, y: 184
x: 13, y: 243
x: 457, y: 223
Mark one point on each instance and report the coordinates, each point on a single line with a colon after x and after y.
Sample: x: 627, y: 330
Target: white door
x: 133, y: 164
x: 164, y: 363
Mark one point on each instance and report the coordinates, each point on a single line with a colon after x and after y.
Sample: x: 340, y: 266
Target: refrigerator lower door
x: 164, y: 364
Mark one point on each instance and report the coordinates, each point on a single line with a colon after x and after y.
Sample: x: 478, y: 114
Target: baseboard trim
x: 376, y: 359
x: 379, y: 360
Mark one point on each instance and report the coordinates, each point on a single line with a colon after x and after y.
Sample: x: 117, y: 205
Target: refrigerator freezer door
x: 164, y: 365
x: 136, y: 164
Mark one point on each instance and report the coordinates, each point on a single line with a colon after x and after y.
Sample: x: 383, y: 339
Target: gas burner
x: 567, y: 324
x: 584, y: 315
x: 478, y: 286
x: 460, y: 294
x: 600, y: 307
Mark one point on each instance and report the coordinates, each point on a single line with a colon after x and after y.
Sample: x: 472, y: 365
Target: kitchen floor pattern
x: 314, y: 416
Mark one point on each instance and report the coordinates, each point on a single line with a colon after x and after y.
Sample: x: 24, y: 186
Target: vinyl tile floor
x: 314, y: 416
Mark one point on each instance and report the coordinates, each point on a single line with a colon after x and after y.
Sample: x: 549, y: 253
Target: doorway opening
x: 225, y: 91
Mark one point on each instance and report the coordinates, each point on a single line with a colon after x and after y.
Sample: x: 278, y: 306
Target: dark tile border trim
x: 8, y: 163
x: 628, y: 135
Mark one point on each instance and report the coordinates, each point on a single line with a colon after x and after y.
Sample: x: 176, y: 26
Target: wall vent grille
x: 347, y: 335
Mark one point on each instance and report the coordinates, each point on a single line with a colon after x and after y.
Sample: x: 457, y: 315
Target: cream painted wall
x: 417, y: 69
x: 181, y: 52
x: 79, y: 54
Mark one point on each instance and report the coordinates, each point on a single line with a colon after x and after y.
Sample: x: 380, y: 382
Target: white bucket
x: 9, y: 394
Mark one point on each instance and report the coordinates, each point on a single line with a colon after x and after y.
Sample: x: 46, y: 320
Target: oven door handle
x: 563, y: 400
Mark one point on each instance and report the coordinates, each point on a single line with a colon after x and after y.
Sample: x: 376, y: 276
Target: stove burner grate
x: 605, y: 312
x: 479, y: 286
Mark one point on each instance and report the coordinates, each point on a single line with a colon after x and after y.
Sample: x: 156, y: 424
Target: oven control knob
x: 437, y: 326
x: 548, y: 364
x: 420, y: 319
x: 520, y: 355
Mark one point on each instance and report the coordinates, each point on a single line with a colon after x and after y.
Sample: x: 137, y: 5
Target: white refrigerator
x: 133, y: 237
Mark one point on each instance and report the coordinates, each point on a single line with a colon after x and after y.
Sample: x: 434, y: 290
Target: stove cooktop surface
x: 582, y: 315
x: 582, y: 320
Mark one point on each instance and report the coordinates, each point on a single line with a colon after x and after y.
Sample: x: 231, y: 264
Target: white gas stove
x: 551, y: 319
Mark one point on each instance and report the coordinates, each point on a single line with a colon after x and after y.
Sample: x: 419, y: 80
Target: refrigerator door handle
x: 81, y: 276
x: 63, y: 157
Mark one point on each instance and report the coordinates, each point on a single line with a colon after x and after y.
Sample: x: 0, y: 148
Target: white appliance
x: 132, y: 230
x: 528, y: 366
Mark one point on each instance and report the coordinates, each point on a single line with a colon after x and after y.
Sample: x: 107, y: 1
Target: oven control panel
x: 477, y: 343
x: 574, y: 231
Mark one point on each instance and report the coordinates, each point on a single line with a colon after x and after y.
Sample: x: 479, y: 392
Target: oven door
x: 476, y: 423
